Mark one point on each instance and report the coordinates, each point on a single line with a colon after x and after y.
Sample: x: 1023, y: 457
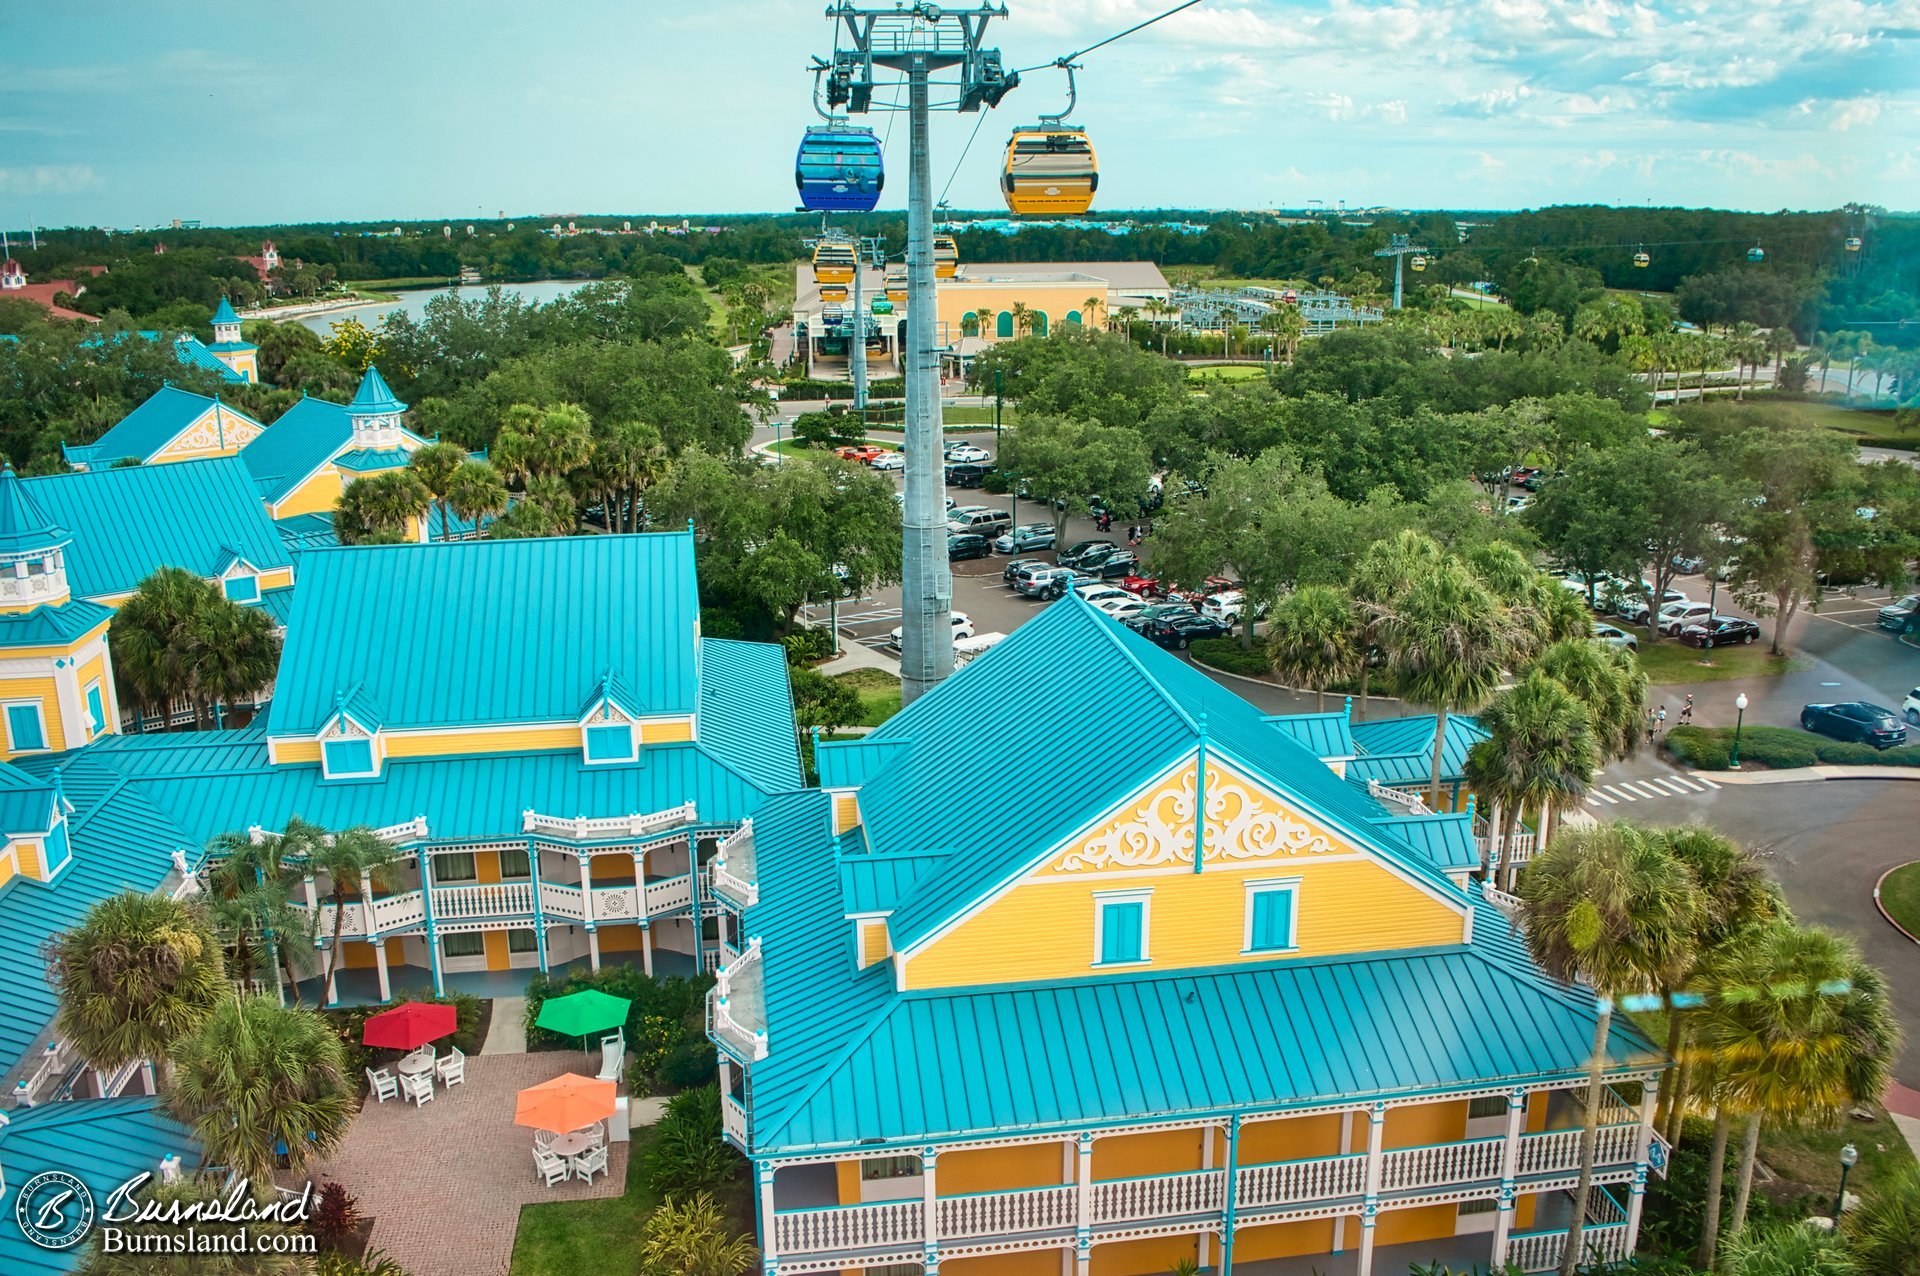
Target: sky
x: 119, y: 113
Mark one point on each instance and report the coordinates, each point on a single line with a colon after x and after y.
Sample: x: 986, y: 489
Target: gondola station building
x: 1209, y: 1001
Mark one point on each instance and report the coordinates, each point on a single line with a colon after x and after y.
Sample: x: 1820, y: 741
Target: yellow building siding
x: 1028, y: 1262
x: 1001, y: 1169
x: 846, y: 812
x: 873, y: 943
x: 1427, y: 1223
x: 46, y: 691
x: 496, y: 948
x: 1126, y: 1156
x: 400, y: 744
x: 290, y: 751
x: 93, y: 671
x: 318, y: 494
x: 961, y: 296
x: 1283, y: 1240
x: 6, y: 867
x: 27, y: 855
x: 1139, y: 1258
x: 276, y: 578
x: 1042, y: 927
x: 216, y: 432
x: 680, y: 732
x: 1423, y: 1124
x: 359, y: 956
x: 1291, y: 1139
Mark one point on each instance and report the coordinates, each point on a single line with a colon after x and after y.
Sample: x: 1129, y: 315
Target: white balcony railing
x: 736, y: 1010
x: 1297, y: 1182
x: 849, y: 1227
x: 1159, y: 1196
x: 581, y: 829
x: 733, y: 1122
x: 1540, y: 1251
x: 735, y: 869
x: 670, y: 895
x: 1039, y: 1209
x: 1406, y: 799
x: 404, y: 911
x: 496, y: 899
x: 1467, y: 1162
x: 37, y: 1085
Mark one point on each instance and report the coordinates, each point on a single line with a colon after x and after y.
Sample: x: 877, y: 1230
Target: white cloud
x: 48, y: 179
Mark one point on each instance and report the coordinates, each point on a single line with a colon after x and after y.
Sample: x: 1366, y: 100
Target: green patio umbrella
x: 581, y: 1014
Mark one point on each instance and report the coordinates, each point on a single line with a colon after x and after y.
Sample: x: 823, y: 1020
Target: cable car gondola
x: 882, y: 306
x: 1641, y: 261
x: 946, y: 257
x: 1418, y: 263
x: 1756, y: 253
x: 833, y: 263
x: 833, y: 293
x: 839, y: 169
x: 1853, y: 243
x: 897, y: 285
x: 1050, y: 167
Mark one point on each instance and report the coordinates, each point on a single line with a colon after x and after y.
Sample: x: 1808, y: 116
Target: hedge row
x: 1778, y: 748
x: 807, y: 388
x: 665, y: 1028
x: 1227, y: 654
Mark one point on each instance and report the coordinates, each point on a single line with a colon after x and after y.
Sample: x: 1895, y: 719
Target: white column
x: 380, y: 970
x: 646, y: 947
x: 770, y: 1262
x: 1376, y: 1131
x: 1346, y: 1148
x: 1509, y: 1165
x: 1642, y: 1147
x: 720, y: 919
x: 930, y: 1220
x: 1206, y: 1163
x: 640, y: 883
x: 1083, y: 1205
x: 586, y: 904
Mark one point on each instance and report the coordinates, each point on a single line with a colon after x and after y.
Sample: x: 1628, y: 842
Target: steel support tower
x: 918, y: 41
x: 868, y: 250
x: 1400, y: 247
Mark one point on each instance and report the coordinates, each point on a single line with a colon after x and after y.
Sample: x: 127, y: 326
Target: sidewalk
x: 1799, y: 775
x: 857, y: 655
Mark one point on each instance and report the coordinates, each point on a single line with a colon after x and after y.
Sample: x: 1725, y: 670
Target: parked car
x: 962, y: 628
x: 1634, y: 610
x: 967, y: 475
x: 1725, y: 631
x: 1043, y: 581
x: 890, y: 461
x: 1519, y: 502
x: 1155, y: 612
x: 1675, y: 617
x: 1145, y: 586
x: 1114, y: 562
x: 978, y: 518
x: 1894, y: 615
x: 1098, y: 591
x: 1122, y: 609
x: 1025, y: 537
x: 1208, y: 588
x: 1017, y: 565
x: 1616, y: 637
x: 1855, y: 720
x: 1179, y: 631
x: 1071, y: 556
x: 1688, y: 564
x: 1228, y: 605
x: 967, y: 452
x: 1910, y: 707
x: 964, y: 545
x: 865, y: 453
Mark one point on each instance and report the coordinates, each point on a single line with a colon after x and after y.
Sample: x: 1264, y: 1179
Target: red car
x: 865, y: 453
x: 1145, y: 586
x: 1208, y: 588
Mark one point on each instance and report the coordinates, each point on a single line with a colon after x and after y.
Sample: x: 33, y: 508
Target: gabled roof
x: 490, y: 632
x: 129, y: 521
x: 306, y: 531
x: 1079, y: 689
x: 142, y: 432
x: 51, y: 626
x: 103, y: 1142
x: 1412, y: 737
x: 373, y: 398
x: 24, y: 525
x: 355, y: 705
x: 1445, y: 840
x: 610, y: 689
x: 26, y: 809
x: 746, y: 711
x: 1327, y: 735
x: 301, y: 440
x: 196, y: 354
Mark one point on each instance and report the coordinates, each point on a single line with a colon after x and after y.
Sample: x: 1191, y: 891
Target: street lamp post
x: 1849, y: 1155
x: 1740, y: 719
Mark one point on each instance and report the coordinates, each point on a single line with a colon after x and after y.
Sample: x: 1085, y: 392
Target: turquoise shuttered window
x: 610, y: 743
x: 1270, y: 916
x: 24, y: 728
x: 95, y: 709
x: 349, y: 757
x: 1122, y: 927
x: 242, y: 589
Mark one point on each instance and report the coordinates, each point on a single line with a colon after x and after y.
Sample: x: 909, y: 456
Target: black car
x: 1855, y: 720
x: 1108, y: 563
x: 967, y: 545
x: 1084, y: 549
x: 1726, y: 631
x: 1178, y: 631
x: 967, y: 474
x: 1142, y: 621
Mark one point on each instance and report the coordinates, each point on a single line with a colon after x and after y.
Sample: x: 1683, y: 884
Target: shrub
x: 350, y: 1023
x: 649, y: 1046
x: 688, y: 1154
x: 718, y: 622
x: 335, y: 1214
x: 1711, y: 749
x: 809, y: 388
x: 828, y: 429
x: 804, y: 646
x: 678, y: 1000
x: 691, y: 1238
x: 693, y: 1063
x: 1701, y: 748
x: 994, y: 483
x: 1226, y: 653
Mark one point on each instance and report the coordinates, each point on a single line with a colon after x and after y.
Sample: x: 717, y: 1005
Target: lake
x: 414, y: 301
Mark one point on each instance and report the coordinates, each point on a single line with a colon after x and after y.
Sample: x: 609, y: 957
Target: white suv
x: 962, y: 628
x: 1675, y: 617
x: 1227, y: 605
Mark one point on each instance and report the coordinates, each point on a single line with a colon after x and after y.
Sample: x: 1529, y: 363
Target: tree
x: 820, y: 701
x: 1313, y: 639
x: 1609, y: 682
x: 349, y: 858
x: 1385, y: 571
x: 536, y: 441
x: 627, y: 459
x: 249, y: 902
x: 257, y: 1078
x: 689, y: 1237
x: 475, y: 493
x: 137, y: 974
x: 239, y: 657
x: 181, y: 638
x: 1447, y: 638
x: 436, y: 465
x: 1885, y: 1231
x: 1065, y: 460
x: 1540, y: 753
x: 1608, y: 907
x: 376, y: 510
x: 1800, y: 1029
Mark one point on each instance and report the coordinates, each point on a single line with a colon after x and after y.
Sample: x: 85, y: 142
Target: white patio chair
x: 613, y: 1055
x: 381, y: 1085
x: 542, y: 1140
x: 550, y: 1168
x: 591, y: 1162
x: 453, y: 1068
x: 418, y: 1088
x: 596, y: 1134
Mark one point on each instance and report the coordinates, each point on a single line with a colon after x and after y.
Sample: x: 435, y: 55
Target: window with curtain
x: 454, y: 866
x: 470, y: 945
x: 514, y: 863
x: 522, y: 941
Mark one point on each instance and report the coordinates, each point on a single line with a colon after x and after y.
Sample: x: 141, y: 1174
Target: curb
x: 1883, y: 908
x: 1298, y: 691
x: 1801, y: 775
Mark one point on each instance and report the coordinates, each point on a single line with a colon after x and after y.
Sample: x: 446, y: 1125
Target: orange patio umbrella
x: 567, y: 1103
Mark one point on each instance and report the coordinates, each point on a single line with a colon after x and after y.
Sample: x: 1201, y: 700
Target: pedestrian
x: 1650, y: 724
x: 1660, y: 720
x: 1686, y: 710
x: 1133, y: 533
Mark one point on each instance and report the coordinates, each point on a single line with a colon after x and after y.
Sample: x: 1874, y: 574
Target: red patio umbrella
x: 409, y: 1026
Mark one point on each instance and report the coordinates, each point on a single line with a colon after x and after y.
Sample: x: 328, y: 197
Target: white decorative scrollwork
x: 1242, y: 824
x: 1158, y: 831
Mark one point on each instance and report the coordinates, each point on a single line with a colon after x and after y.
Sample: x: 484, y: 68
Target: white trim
x: 477, y: 728
x: 374, y: 754
x: 39, y: 708
x: 633, y: 743
x: 96, y: 686
x: 1101, y: 900
x: 1186, y: 870
x: 1290, y: 886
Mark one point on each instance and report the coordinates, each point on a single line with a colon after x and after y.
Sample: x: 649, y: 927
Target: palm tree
x: 348, y: 858
x: 627, y: 459
x: 1792, y: 1249
x: 1822, y: 352
x: 1314, y: 639
x: 1447, y: 637
x: 237, y: 658
x: 1091, y: 310
x: 376, y: 510
x: 1022, y: 320
x: 1127, y: 314
x: 1800, y: 1029
x: 1385, y: 570
x: 1749, y: 351
x: 436, y: 464
x: 476, y: 492
x: 1885, y: 1231
x: 1540, y: 752
x: 1608, y: 681
x: 1609, y: 907
x: 250, y: 904
x: 258, y: 1078
x: 153, y: 638
x: 137, y: 974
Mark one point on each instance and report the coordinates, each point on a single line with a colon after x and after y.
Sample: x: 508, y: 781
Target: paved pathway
x: 445, y: 1182
x: 507, y: 1034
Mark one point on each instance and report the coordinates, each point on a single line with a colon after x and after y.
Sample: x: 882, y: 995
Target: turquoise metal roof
x: 373, y: 398
x: 1413, y: 737
x: 129, y: 521
x: 223, y: 313
x: 875, y: 883
x: 195, y: 354
x: 120, y: 841
x: 1326, y: 735
x: 306, y: 531
x: 1077, y: 688
x: 363, y: 460
x: 103, y: 1142
x: 1445, y: 841
x: 278, y: 603
x: 301, y: 440
x: 490, y: 632
x: 26, y: 809
x: 846, y: 764
x: 746, y: 711
x: 24, y: 525
x: 159, y: 421
x: 51, y: 626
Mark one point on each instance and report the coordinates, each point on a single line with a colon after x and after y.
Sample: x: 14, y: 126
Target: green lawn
x: 1228, y: 372
x: 1251, y: 283
x: 396, y: 285
x: 879, y: 693
x: 1809, y: 1158
x: 567, y: 1238
x: 1866, y: 424
x: 982, y: 415
x: 1670, y: 661
x: 1475, y: 301
x: 1900, y: 896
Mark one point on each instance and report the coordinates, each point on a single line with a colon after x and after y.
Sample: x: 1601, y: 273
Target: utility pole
x: 918, y: 40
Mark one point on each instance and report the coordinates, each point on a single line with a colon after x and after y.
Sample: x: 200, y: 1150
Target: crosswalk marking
x: 1620, y: 792
x: 1600, y: 794
x: 1701, y: 779
x: 1649, y: 788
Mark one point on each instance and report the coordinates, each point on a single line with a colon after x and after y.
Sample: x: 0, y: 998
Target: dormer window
x: 342, y: 759
x: 611, y: 742
x: 609, y: 727
x: 350, y: 746
x: 242, y: 588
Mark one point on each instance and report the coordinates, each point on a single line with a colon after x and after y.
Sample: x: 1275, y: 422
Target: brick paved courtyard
x: 445, y: 1183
